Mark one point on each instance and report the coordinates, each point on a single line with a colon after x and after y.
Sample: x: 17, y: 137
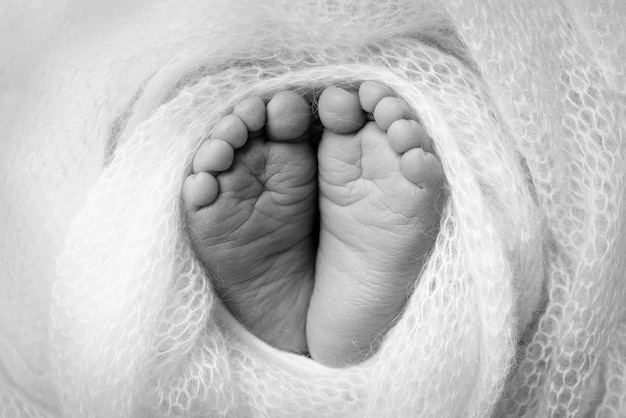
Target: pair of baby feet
x: 315, y: 248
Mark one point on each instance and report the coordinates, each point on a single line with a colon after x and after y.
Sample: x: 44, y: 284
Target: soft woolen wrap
x: 520, y: 309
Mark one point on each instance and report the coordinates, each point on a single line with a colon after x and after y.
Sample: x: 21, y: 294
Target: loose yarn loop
x: 520, y: 309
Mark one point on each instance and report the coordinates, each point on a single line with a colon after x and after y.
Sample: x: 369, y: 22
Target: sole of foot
x: 380, y: 187
x: 250, y: 205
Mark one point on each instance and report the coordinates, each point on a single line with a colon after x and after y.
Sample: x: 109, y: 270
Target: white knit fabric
x: 520, y: 309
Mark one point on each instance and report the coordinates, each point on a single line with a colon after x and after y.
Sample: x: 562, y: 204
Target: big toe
x: 340, y: 111
x: 288, y: 117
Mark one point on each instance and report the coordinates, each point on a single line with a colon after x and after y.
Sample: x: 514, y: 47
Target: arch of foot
x: 179, y: 349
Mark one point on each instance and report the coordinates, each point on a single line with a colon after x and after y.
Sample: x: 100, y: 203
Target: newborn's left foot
x: 380, y: 188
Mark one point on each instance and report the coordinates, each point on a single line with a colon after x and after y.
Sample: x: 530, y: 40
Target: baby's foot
x: 380, y: 188
x: 250, y: 206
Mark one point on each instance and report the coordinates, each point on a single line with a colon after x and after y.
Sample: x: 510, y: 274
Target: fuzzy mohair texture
x: 520, y: 310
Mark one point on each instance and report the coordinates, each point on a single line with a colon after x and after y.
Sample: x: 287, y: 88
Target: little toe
x: 421, y: 168
x: 213, y: 155
x: 252, y: 112
x: 390, y: 109
x: 231, y: 129
x: 340, y: 110
x: 288, y: 117
x: 370, y: 93
x: 199, y: 190
x: 404, y: 134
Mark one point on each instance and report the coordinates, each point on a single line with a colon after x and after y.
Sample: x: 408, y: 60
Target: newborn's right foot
x: 250, y: 206
x: 380, y: 197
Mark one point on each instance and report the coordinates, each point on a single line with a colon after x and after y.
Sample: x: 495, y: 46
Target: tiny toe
x: 389, y: 110
x: 405, y: 134
x: 199, y: 190
x: 288, y: 117
x: 421, y: 168
x: 213, y: 155
x: 340, y: 110
x: 370, y: 93
x: 232, y: 130
x: 252, y: 112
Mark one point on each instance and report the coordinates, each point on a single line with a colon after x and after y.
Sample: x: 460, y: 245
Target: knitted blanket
x: 520, y: 310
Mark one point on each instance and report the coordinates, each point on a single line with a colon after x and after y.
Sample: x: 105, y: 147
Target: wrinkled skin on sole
x: 105, y: 312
